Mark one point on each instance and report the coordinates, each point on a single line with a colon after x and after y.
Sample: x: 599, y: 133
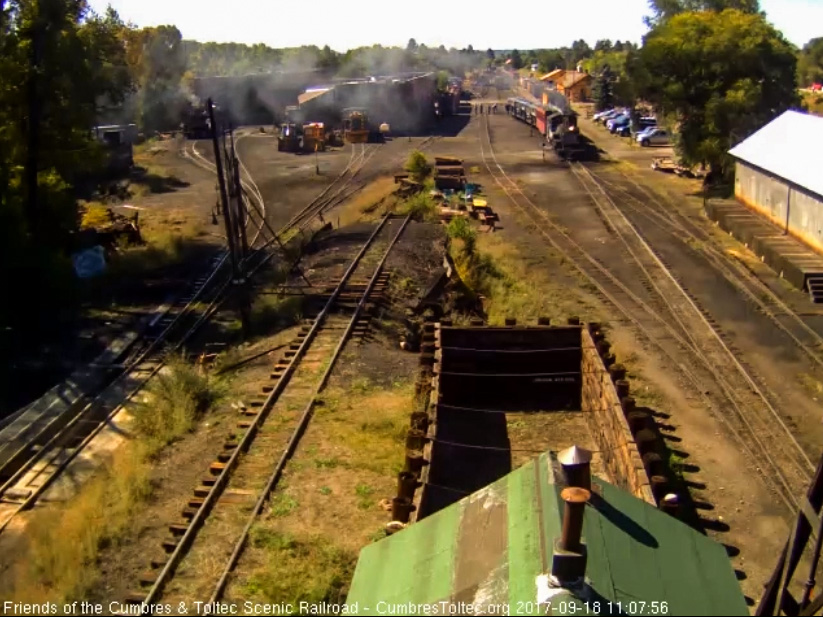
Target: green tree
x: 603, y: 90
x: 159, y: 63
x: 810, y: 63
x: 663, y: 10
x: 411, y: 45
x: 716, y: 75
x: 417, y: 166
x: 60, y: 64
x: 490, y: 54
x: 603, y: 45
x: 517, y: 60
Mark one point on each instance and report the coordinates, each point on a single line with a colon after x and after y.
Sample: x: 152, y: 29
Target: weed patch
x: 301, y: 568
x: 176, y: 399
x: 421, y: 206
x: 269, y: 313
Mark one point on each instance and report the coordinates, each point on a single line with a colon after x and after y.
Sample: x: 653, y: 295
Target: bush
x: 459, y: 228
x: 417, y: 166
x: 421, y: 206
x: 177, y: 398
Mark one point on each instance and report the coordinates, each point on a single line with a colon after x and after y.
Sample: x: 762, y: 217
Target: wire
x: 511, y: 351
x: 557, y: 374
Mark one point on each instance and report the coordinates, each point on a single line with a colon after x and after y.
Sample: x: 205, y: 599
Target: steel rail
x: 271, y: 484
x: 204, y: 509
x: 646, y: 310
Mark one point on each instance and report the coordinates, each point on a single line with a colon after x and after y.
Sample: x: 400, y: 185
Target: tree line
x: 717, y: 68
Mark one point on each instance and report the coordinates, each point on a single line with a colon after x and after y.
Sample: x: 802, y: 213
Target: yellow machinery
x: 355, y: 126
x: 314, y: 137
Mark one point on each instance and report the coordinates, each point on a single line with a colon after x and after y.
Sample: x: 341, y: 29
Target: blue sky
x: 431, y: 22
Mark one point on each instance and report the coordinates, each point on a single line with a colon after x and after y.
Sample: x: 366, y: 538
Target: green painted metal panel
x: 636, y: 554
x: 413, y: 565
x: 525, y: 561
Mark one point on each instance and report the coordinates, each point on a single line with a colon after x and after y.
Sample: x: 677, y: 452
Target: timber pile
x: 449, y: 173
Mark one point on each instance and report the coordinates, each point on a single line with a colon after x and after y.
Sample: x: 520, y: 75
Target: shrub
x: 177, y: 397
x: 417, y: 166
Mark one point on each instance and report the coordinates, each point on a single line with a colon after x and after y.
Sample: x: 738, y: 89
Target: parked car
x: 597, y: 117
x: 618, y: 122
x: 656, y: 137
x: 635, y: 128
x: 609, y: 115
x: 646, y: 130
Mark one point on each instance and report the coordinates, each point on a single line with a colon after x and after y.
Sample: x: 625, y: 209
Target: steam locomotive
x: 558, y: 128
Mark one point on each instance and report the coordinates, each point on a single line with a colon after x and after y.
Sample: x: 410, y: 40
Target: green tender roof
x: 489, y: 549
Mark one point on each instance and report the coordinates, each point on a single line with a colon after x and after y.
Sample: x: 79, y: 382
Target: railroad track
x: 40, y: 451
x: 217, y: 520
x: 664, y: 313
x: 667, y: 218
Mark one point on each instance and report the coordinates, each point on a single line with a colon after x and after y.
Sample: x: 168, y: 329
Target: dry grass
x: 513, y: 286
x: 368, y: 203
x: 328, y: 506
x: 59, y: 560
x: 59, y: 563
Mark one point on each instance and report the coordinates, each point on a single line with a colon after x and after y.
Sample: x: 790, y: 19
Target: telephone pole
x: 232, y: 221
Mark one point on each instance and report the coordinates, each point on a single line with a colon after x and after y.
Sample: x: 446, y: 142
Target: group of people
x: 490, y: 108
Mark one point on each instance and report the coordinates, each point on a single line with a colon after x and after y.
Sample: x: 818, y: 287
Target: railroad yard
x: 274, y: 492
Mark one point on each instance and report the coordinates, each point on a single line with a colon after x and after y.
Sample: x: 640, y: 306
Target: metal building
x: 515, y: 548
x: 778, y: 174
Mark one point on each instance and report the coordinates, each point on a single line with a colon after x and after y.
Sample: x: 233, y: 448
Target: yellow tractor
x: 314, y: 137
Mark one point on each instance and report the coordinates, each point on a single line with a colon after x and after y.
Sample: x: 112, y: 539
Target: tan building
x: 576, y: 86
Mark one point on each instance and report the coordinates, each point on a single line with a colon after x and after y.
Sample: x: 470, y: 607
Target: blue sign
x: 89, y: 263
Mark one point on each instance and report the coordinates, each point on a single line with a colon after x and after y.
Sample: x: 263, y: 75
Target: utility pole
x: 240, y: 218
x: 234, y: 242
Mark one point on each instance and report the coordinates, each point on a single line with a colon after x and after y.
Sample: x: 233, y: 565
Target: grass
x: 299, y: 568
x: 813, y: 386
x: 59, y: 561
x: 510, y: 283
x: 164, y: 247
x: 273, y: 312
x: 176, y: 399
x: 353, y: 450
x: 63, y: 541
x: 421, y: 206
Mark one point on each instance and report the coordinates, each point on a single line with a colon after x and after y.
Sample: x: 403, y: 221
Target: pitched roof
x: 788, y: 147
x: 491, y: 547
x: 553, y: 74
x: 574, y: 78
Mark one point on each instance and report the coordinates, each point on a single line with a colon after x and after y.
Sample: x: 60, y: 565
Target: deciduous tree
x: 719, y: 76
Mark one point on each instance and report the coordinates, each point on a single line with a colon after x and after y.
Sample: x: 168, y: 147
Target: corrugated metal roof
x: 311, y: 94
x: 788, y: 147
x: 491, y: 547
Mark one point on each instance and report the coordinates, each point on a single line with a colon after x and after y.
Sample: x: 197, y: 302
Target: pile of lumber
x: 449, y: 173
